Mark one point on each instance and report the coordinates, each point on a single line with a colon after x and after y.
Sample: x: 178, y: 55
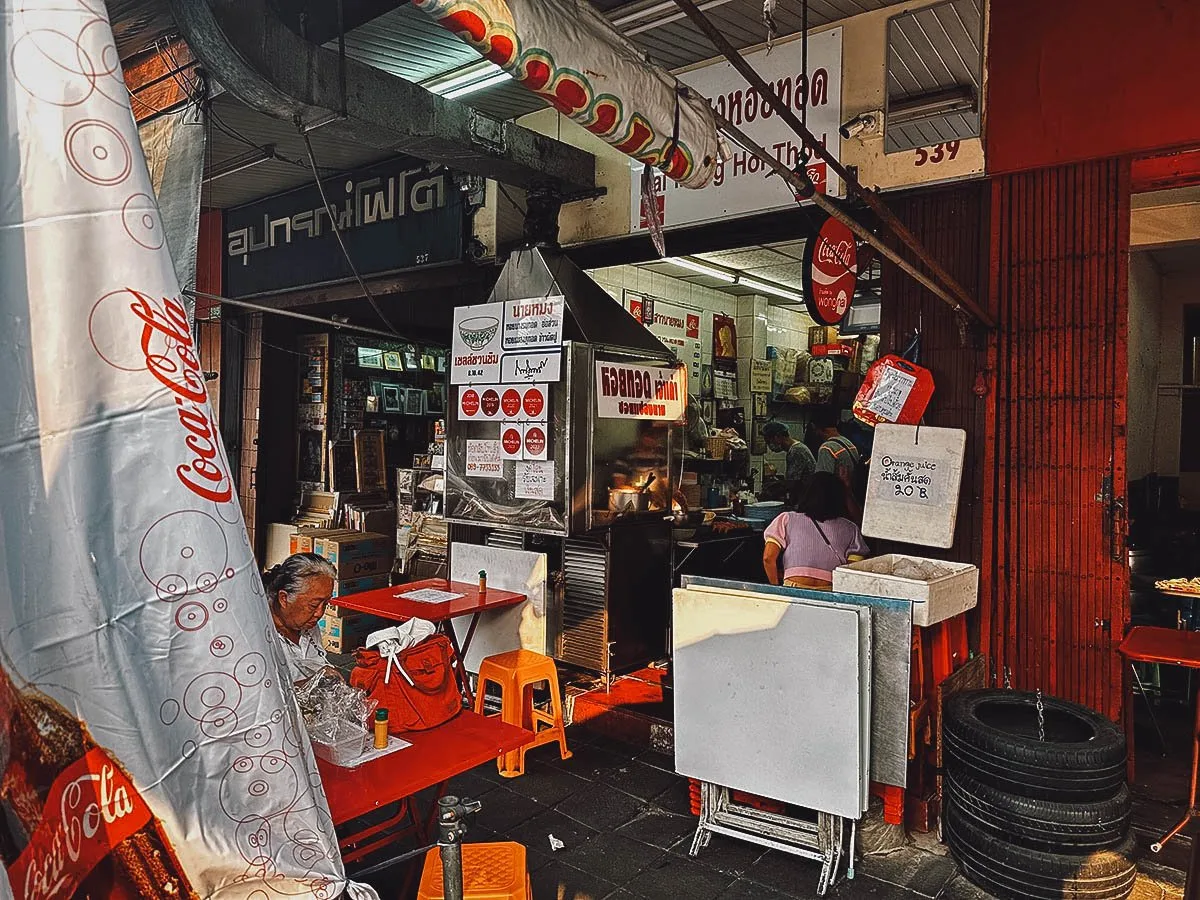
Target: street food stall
x: 571, y: 450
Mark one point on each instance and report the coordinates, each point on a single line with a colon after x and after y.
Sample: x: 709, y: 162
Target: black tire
x: 1040, y: 824
x: 1067, y: 786
x: 1019, y: 873
x: 993, y: 736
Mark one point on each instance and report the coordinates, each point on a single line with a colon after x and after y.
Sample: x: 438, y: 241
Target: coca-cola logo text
x: 837, y: 256
x: 91, y: 807
x: 203, y: 470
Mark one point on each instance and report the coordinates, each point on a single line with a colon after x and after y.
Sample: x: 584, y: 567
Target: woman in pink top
x: 810, y: 543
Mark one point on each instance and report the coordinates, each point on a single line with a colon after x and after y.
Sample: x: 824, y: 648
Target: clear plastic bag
x: 334, y: 712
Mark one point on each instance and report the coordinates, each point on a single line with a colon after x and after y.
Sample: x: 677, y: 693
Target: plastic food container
x: 345, y: 749
x: 938, y: 589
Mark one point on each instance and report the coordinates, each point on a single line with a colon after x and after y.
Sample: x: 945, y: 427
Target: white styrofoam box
x: 938, y: 589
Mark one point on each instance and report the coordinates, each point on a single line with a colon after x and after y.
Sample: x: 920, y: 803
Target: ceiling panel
x: 933, y: 50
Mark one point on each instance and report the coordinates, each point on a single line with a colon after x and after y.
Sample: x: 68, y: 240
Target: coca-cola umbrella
x: 568, y: 54
x: 150, y: 745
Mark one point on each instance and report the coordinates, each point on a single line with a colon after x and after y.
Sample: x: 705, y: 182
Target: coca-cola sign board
x: 741, y: 186
x: 630, y: 391
x: 829, y: 273
x: 168, y: 757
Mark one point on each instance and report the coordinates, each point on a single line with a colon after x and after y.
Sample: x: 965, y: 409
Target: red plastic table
x: 390, y: 603
x: 1172, y: 647
x: 466, y: 741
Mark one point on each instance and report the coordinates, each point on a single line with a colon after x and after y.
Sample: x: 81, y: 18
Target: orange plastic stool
x: 516, y: 673
x: 490, y: 872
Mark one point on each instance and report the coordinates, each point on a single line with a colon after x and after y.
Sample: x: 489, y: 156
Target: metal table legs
x: 824, y: 841
x: 1192, y: 811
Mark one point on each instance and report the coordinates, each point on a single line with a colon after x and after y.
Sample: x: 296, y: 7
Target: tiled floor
x: 623, y: 820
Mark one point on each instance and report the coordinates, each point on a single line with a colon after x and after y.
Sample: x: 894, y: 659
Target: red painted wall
x: 1070, y: 80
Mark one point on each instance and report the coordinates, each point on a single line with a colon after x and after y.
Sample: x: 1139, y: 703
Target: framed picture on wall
x: 371, y: 404
x: 370, y: 358
x: 706, y: 381
x: 709, y: 411
x: 414, y: 402
x: 435, y: 399
x: 310, y: 457
x: 341, y: 466
x: 393, y: 360
x: 758, y: 444
x: 369, y: 467
x: 760, y: 406
x: 391, y: 395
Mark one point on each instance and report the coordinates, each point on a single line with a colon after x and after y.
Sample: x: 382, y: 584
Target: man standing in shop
x: 838, y: 456
x: 800, y: 461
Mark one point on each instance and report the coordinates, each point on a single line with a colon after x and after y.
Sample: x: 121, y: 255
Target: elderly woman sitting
x: 298, y: 590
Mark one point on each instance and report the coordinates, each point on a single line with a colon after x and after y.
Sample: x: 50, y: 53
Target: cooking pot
x: 627, y: 500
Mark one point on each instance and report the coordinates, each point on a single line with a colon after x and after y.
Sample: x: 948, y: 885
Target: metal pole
x: 961, y: 297
x: 448, y: 840
x: 798, y: 183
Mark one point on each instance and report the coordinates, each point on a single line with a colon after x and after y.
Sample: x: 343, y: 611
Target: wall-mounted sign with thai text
x: 630, y: 391
x: 674, y: 324
x: 395, y: 215
x: 741, y: 185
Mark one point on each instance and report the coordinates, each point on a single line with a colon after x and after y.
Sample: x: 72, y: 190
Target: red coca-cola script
x: 490, y: 403
x: 91, y: 807
x: 535, y: 402
x: 511, y: 402
x: 830, y: 273
x: 511, y: 441
x: 535, y: 441
x: 470, y: 402
x: 203, y: 470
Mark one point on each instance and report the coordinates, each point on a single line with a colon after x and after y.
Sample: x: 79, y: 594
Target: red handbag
x: 433, y: 697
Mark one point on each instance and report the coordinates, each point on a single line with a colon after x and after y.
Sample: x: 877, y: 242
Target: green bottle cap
x: 381, y: 715
x: 483, y: 573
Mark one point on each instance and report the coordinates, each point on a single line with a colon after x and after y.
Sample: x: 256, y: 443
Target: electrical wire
x: 509, y: 198
x: 337, y: 230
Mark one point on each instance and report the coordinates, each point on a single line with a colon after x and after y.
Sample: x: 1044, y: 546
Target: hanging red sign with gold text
x: 830, y: 272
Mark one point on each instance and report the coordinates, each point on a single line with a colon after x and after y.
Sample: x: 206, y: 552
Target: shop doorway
x: 1164, y: 518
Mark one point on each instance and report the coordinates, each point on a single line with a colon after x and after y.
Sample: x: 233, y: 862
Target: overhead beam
x: 267, y: 66
x: 317, y: 20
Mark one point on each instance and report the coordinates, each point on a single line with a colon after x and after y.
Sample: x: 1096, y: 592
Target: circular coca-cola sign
x: 470, y: 402
x: 535, y: 440
x: 490, y: 403
x: 510, y: 403
x: 511, y: 440
x: 830, y: 272
x: 535, y: 402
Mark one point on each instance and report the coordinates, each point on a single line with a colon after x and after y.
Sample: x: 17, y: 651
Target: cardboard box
x: 353, y: 546
x: 304, y: 539
x: 822, y: 334
x: 358, y: 585
x: 345, y: 634
x: 355, y: 569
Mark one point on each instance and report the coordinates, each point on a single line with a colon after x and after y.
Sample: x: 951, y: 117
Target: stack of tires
x: 1036, y: 812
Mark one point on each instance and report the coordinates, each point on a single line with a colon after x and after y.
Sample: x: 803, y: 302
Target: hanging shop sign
x: 625, y: 390
x: 394, y: 215
x: 894, y: 391
x: 740, y: 186
x: 676, y: 325
x: 829, y: 272
x: 914, y: 484
x: 514, y: 341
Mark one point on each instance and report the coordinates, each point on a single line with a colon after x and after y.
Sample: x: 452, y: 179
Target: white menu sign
x: 741, y: 185
x: 475, y: 344
x: 535, y: 324
x: 629, y: 391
